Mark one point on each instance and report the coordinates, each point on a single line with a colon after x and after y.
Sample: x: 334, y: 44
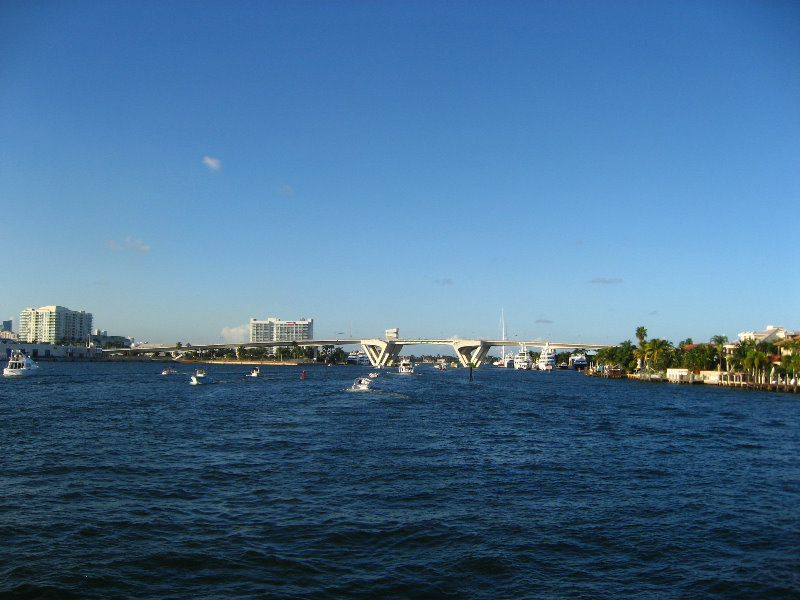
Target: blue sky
x: 178, y: 168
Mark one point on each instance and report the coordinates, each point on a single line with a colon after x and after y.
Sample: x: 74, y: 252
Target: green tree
x: 719, y: 341
x: 659, y: 353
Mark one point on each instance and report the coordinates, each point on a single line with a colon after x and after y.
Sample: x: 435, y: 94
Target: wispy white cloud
x: 133, y: 244
x: 236, y: 334
x: 286, y: 190
x: 606, y: 280
x: 212, y: 163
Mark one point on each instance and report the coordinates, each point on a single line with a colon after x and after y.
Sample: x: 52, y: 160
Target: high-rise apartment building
x: 275, y: 330
x: 54, y: 325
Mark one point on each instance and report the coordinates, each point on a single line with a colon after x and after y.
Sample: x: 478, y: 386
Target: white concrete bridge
x: 381, y: 352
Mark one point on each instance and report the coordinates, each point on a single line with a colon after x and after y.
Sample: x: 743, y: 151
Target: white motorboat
x: 168, y: 371
x: 406, y: 367
x: 255, y: 372
x: 361, y: 384
x: 374, y: 374
x: 523, y: 360
x: 200, y: 378
x: 20, y: 365
x: 547, y: 359
x: 440, y: 365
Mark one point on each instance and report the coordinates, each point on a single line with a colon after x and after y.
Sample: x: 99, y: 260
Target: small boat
x: 374, y: 374
x: 361, y: 384
x: 406, y: 367
x: 523, y: 360
x: 200, y: 378
x: 254, y: 372
x: 440, y: 365
x: 168, y: 371
x: 20, y: 365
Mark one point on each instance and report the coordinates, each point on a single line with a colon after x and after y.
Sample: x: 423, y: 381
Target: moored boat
x: 578, y: 361
x: 523, y: 360
x: 20, y: 365
x: 547, y: 359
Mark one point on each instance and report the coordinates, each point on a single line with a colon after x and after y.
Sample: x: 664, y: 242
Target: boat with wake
x: 361, y: 384
x: 406, y: 367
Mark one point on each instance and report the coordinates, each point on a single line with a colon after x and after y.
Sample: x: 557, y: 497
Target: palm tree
x: 641, y: 335
x: 658, y: 348
x: 757, y: 361
x: 719, y: 341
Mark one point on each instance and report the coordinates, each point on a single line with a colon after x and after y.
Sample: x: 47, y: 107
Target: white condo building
x: 275, y: 330
x: 54, y: 325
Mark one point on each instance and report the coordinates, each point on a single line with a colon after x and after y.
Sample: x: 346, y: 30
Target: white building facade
x: 275, y: 330
x: 54, y: 325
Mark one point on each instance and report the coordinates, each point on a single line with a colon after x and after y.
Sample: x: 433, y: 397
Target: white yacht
x: 255, y: 372
x: 20, y: 365
x: 547, y: 359
x: 406, y: 367
x: 440, y: 365
x: 358, y: 357
x: 523, y: 360
x: 506, y: 361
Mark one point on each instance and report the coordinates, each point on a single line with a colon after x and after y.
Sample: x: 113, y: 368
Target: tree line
x: 657, y: 355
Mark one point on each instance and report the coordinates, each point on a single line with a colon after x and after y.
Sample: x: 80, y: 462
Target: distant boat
x: 168, y: 371
x: 547, y: 359
x: 20, y: 365
x: 406, y: 367
x: 254, y: 372
x: 374, y: 374
x: 578, y: 361
x: 440, y: 365
x: 358, y: 357
x: 523, y: 360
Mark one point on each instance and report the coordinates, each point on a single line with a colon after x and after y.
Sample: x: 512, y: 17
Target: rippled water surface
x: 118, y: 482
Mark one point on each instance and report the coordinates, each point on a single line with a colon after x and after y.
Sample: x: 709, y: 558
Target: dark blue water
x: 118, y: 482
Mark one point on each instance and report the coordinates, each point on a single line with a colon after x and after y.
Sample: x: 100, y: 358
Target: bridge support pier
x: 381, y: 353
x: 471, y: 352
